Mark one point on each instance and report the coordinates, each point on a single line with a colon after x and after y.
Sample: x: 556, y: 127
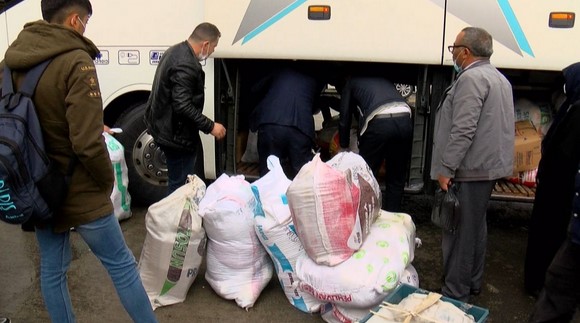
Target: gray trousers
x: 464, y: 249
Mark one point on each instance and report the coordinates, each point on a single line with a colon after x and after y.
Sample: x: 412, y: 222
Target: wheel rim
x: 149, y: 160
x: 404, y: 89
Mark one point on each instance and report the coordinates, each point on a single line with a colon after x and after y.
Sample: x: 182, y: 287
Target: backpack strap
x: 7, y: 87
x: 28, y: 85
x: 32, y: 77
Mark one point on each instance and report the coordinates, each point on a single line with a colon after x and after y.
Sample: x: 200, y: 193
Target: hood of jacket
x: 572, y: 76
x: 40, y: 40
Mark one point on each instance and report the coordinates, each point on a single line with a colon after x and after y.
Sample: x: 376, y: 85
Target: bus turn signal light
x: 319, y: 12
x: 562, y: 19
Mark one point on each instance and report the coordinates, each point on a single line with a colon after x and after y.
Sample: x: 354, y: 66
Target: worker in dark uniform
x: 283, y: 118
x: 385, y: 131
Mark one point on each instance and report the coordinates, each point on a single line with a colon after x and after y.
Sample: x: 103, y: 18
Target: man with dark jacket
x: 385, y: 131
x: 555, y: 191
x: 69, y: 107
x: 560, y: 297
x: 174, y: 109
x: 283, y: 118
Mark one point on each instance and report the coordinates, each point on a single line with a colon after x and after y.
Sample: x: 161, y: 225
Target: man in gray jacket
x: 473, y: 147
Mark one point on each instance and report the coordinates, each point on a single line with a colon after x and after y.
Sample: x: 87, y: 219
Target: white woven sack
x: 371, y: 273
x: 370, y: 191
x: 277, y: 234
x: 324, y: 203
x: 120, y: 195
x: 174, y: 245
x: 237, y: 265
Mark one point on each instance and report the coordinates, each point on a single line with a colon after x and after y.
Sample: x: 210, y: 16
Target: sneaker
x: 4, y: 320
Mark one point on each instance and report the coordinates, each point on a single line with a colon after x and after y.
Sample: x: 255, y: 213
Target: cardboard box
x: 480, y: 314
x: 527, y: 147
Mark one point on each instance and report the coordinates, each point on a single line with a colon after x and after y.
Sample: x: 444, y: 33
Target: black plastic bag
x: 445, y: 212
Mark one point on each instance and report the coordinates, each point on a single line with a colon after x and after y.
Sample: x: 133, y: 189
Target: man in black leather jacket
x: 174, y: 110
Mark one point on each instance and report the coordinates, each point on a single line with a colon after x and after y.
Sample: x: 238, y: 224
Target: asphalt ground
x: 95, y: 300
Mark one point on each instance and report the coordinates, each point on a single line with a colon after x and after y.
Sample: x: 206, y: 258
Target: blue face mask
x: 457, y: 68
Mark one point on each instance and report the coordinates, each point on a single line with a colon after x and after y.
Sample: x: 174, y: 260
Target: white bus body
x: 406, y: 39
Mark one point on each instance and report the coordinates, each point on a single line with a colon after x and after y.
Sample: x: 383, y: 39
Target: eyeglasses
x: 450, y: 48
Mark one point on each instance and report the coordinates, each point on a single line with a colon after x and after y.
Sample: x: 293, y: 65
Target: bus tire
x: 146, y: 163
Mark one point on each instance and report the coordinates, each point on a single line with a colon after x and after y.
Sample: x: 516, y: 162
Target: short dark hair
x: 479, y: 41
x: 205, y: 32
x: 56, y: 11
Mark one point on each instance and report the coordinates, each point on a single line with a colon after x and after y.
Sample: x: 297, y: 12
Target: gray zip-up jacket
x: 474, y: 127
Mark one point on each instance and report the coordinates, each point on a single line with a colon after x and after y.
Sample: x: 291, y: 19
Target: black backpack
x: 30, y: 186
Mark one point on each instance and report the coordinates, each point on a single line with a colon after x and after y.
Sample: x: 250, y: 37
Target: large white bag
x: 324, y: 204
x: 174, y: 244
x: 120, y: 195
x: 371, y: 273
x: 276, y: 232
x: 237, y: 265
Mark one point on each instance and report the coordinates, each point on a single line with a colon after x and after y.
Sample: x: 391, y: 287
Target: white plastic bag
x: 237, y: 265
x: 120, y: 195
x: 174, y: 245
x: 324, y: 204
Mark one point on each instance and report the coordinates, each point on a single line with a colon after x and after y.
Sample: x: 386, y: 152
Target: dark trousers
x: 182, y: 163
x: 547, y: 231
x: 389, y: 140
x: 464, y: 249
x: 561, y: 294
x: 283, y: 142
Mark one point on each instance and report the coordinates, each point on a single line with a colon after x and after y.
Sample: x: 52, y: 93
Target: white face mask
x: 203, y: 57
x: 82, y: 24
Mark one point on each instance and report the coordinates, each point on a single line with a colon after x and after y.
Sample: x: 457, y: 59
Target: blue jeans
x: 182, y: 163
x: 106, y: 241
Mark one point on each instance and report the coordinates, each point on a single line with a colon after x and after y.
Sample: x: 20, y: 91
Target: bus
x: 406, y: 41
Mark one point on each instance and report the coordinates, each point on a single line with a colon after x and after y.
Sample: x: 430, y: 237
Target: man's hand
x: 218, y: 131
x: 108, y: 130
x: 444, y: 182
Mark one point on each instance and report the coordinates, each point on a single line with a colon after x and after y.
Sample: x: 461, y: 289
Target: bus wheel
x: 145, y: 161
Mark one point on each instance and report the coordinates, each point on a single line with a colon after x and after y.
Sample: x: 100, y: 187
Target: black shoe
x: 535, y: 293
x: 26, y: 227
x: 4, y: 320
x: 475, y: 291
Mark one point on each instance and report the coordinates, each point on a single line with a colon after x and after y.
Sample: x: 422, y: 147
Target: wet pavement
x: 95, y: 300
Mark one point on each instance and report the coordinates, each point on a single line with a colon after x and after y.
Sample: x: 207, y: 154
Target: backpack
x: 31, y: 187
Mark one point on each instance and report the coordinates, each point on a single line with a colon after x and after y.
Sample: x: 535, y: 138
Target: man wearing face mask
x: 70, y: 111
x: 174, y: 110
x: 473, y: 147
